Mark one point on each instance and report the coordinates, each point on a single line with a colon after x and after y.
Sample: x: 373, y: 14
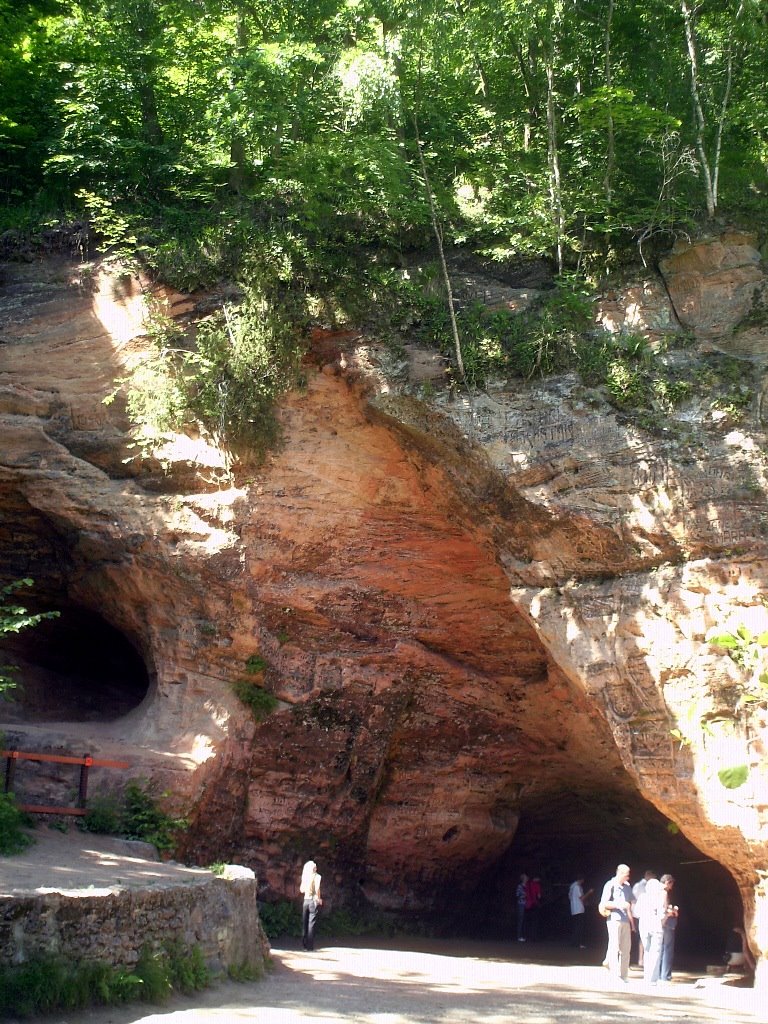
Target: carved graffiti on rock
x: 652, y: 739
x: 620, y: 699
x: 595, y: 606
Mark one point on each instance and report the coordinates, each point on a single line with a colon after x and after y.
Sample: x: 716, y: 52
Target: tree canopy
x: 303, y: 150
x: 544, y: 123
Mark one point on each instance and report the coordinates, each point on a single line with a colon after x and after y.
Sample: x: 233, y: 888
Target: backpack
x: 602, y: 909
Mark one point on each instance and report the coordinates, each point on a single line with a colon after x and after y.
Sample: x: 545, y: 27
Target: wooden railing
x: 86, y: 762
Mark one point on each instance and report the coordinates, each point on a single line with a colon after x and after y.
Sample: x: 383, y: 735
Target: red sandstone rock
x: 473, y: 614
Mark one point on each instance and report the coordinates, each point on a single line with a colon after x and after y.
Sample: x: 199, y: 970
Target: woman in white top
x: 310, y: 890
x: 651, y: 909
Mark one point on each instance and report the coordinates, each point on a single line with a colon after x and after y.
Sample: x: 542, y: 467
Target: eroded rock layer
x: 474, y: 613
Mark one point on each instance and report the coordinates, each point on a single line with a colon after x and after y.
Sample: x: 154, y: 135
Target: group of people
x: 647, y: 910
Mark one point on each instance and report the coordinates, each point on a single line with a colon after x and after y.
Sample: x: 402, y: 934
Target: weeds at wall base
x: 245, y: 972
x: 47, y: 984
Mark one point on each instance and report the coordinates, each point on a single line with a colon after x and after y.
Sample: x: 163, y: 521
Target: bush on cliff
x: 13, y: 838
x: 135, y: 815
x: 13, y: 619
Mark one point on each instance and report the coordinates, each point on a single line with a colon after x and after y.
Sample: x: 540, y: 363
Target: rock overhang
x: 385, y: 566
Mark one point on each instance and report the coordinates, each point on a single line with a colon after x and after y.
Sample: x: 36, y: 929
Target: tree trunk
x: 553, y: 159
x: 527, y: 64
x: 724, y: 105
x: 144, y: 72
x: 238, y: 163
x: 699, y: 121
x: 150, y: 120
x: 610, y: 160
x: 441, y: 252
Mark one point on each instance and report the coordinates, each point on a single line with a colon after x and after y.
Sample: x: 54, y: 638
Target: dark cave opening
x: 75, y: 668
x: 565, y: 835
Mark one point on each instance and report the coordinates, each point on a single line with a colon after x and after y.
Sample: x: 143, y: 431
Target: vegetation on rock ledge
x: 13, y: 619
x: 134, y: 815
x: 307, y: 157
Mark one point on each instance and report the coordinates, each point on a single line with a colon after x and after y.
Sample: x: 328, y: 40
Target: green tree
x: 28, y: 88
x: 14, y: 618
x: 547, y: 128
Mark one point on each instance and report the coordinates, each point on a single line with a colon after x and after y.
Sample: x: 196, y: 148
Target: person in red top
x: 533, y: 906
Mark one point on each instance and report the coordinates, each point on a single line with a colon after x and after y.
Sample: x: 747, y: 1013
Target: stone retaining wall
x: 220, y: 915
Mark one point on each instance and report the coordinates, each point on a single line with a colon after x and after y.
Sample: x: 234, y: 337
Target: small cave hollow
x: 562, y: 836
x: 74, y: 668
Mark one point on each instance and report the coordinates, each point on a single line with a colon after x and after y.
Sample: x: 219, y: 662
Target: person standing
x: 576, y: 899
x: 533, y: 897
x: 651, y: 914
x: 310, y: 890
x: 616, y: 904
x: 670, y: 931
x: 521, y: 898
x: 637, y: 891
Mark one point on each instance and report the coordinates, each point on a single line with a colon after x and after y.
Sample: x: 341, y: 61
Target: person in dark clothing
x: 533, y: 907
x: 521, y: 898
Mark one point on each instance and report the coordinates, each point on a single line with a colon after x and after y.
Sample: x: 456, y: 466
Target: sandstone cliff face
x: 482, y: 617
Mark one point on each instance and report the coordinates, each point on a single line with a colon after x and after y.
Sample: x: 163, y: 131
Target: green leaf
x: 734, y: 776
x: 762, y: 639
x: 745, y: 633
x: 727, y: 640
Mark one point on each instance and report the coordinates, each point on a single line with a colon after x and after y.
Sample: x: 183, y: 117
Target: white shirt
x: 576, y: 896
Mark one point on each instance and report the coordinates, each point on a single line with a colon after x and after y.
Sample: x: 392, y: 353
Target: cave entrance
x: 563, y: 835
x: 75, y: 668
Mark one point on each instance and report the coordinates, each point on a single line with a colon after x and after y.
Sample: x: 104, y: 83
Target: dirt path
x: 80, y: 864
x: 438, y: 983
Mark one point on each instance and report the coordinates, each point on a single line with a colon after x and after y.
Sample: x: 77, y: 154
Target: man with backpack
x: 616, y: 907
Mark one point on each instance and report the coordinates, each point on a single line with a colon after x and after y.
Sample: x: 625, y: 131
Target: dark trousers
x: 308, y: 919
x: 667, y: 954
x: 577, y: 929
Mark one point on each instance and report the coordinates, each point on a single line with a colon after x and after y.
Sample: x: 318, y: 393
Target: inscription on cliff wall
x: 576, y: 455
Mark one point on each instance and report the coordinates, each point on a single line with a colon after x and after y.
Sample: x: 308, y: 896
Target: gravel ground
x: 438, y: 983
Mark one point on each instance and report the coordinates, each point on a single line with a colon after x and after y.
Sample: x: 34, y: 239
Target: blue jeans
x: 652, y: 956
x: 667, y: 954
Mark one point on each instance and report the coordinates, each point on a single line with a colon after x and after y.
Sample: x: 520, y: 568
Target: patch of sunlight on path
x: 356, y: 985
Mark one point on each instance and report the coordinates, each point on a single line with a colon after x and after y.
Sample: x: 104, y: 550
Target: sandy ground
x: 374, y: 981
x: 440, y: 983
x: 77, y: 863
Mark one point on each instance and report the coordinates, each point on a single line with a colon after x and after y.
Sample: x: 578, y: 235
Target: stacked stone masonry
x: 220, y: 916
